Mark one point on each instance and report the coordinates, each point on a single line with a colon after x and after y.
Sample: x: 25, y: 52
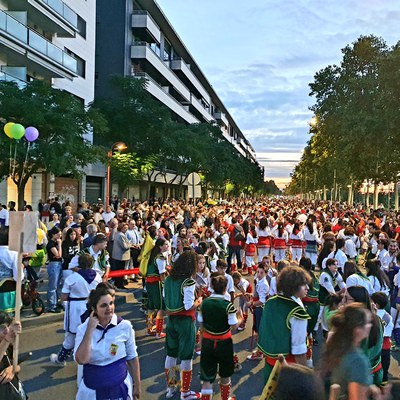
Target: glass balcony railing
x: 62, y: 9
x: 9, y: 78
x: 36, y: 41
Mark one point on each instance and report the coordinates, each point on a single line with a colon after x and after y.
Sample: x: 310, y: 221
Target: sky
x: 261, y: 55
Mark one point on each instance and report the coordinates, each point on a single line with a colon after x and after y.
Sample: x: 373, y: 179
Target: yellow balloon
x: 7, y: 129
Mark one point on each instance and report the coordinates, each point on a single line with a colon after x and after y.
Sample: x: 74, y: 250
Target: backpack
x: 238, y: 234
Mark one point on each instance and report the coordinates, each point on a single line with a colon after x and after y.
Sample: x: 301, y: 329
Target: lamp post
x: 118, y: 146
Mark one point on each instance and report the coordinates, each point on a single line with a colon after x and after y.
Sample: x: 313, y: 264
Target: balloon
x: 7, y: 129
x: 17, y: 131
x: 31, y: 133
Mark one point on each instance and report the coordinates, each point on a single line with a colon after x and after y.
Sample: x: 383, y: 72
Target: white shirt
x: 387, y: 322
x: 272, y: 287
x: 8, y: 263
x: 4, y: 214
x: 357, y: 280
x: 107, y: 217
x: 377, y: 286
x: 262, y: 290
x: 75, y: 261
x: 298, y: 332
x: 326, y: 281
x: 340, y: 257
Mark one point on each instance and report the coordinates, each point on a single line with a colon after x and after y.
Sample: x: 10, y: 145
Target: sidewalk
x: 29, y: 319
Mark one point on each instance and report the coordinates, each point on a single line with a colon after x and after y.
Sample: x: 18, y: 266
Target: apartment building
x: 51, y: 40
x: 140, y: 41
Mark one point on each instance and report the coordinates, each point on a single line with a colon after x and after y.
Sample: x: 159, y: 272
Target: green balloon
x: 17, y: 131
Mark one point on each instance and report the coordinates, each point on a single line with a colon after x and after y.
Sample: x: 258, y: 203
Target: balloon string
x: 26, y: 159
x: 10, y: 155
x: 15, y: 155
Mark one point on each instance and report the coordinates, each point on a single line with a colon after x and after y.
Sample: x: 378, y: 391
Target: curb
x: 30, y: 320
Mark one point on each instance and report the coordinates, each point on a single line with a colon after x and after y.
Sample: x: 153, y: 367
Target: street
x: 44, y: 381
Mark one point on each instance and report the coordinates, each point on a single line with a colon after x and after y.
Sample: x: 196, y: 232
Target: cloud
x: 260, y: 57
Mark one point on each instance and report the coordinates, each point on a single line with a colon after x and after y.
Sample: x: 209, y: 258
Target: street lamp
x: 119, y: 146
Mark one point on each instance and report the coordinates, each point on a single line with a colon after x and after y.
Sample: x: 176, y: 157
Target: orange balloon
x: 7, y: 129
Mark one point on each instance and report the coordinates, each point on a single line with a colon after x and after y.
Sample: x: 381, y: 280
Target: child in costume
x: 181, y: 304
x: 217, y: 316
x: 261, y: 290
x: 245, y: 290
x: 381, y: 301
x: 75, y: 291
x: 283, y: 327
x: 156, y: 271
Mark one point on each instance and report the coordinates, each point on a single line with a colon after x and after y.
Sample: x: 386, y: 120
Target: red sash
x: 279, y: 244
x: 264, y: 241
x: 297, y: 243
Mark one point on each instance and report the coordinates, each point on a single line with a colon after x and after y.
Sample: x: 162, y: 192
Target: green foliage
x: 356, y: 109
x: 149, y: 130
x: 62, y: 122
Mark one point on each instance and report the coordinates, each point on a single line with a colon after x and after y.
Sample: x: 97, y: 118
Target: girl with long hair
x: 379, y: 280
x: 181, y: 304
x: 156, y: 273
x: 351, y: 326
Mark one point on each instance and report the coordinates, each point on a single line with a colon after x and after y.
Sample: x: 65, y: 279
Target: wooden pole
x: 18, y: 304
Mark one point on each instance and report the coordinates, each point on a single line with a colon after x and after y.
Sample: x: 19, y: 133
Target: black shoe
x: 60, y: 306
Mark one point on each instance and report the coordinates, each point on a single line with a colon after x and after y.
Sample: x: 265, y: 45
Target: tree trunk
x: 21, y: 195
x: 396, y: 197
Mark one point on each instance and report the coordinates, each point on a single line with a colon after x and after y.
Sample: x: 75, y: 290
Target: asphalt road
x: 44, y: 381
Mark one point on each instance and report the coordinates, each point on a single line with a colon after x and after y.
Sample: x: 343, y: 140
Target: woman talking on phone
x: 105, y: 346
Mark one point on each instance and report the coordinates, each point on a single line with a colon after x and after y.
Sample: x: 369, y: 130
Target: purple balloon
x: 31, y: 133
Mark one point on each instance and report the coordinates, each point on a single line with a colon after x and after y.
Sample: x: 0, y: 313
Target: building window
x: 156, y: 48
x: 81, y: 27
x: 167, y: 50
x: 80, y: 62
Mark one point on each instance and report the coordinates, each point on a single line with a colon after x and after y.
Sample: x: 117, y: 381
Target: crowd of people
x: 296, y: 268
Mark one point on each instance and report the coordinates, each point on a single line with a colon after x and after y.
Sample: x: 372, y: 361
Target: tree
x: 62, y: 121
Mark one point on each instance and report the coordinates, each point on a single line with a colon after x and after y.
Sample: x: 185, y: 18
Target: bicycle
x: 30, y: 295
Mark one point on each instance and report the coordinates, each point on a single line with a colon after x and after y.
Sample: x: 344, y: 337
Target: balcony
x: 24, y: 46
x: 142, y: 20
x: 141, y: 50
x: 53, y: 16
x: 162, y: 95
x: 199, y: 107
x: 221, y: 117
x: 180, y: 65
x: 10, y: 78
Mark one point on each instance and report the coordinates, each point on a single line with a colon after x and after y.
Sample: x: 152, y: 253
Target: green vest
x: 314, y: 292
x: 152, y: 268
x: 215, y: 312
x: 173, y: 293
x: 274, y: 336
x: 101, y: 259
x: 323, y: 293
x: 374, y: 353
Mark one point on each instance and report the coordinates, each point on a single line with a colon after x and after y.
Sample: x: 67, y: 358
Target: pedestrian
x: 54, y: 269
x: 156, y: 273
x: 10, y: 386
x: 256, y: 304
x: 181, y: 303
x: 105, y: 346
x: 75, y: 292
x: 217, y: 317
x: 283, y: 327
x: 351, y: 326
x: 381, y: 301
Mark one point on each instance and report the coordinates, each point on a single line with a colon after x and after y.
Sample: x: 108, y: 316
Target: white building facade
x: 51, y: 40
